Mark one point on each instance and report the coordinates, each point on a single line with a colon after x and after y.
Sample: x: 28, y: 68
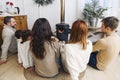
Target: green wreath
x: 43, y: 2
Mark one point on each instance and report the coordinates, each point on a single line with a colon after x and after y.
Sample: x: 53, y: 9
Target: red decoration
x: 9, y: 3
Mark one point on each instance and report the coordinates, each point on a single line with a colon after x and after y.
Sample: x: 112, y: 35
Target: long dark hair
x: 41, y: 32
x: 79, y: 33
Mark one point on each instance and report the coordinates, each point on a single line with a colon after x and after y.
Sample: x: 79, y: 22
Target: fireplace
x: 62, y: 29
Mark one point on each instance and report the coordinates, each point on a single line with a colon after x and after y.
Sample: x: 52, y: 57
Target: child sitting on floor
x: 23, y: 44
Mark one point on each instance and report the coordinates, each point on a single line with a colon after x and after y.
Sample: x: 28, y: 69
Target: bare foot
x: 2, y: 61
x: 20, y: 65
x: 30, y: 68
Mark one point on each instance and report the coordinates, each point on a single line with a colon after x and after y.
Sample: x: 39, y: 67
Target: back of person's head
x: 42, y: 29
x: 111, y: 22
x: 25, y: 35
x: 79, y: 33
x: 41, y: 33
x: 18, y: 34
x: 7, y: 19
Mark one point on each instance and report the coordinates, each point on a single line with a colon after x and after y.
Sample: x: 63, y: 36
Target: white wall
x: 71, y: 11
x: 51, y: 12
x: 17, y: 3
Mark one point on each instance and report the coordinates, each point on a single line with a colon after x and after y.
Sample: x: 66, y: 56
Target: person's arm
x: 56, y: 48
x: 99, y: 45
x: 7, y: 38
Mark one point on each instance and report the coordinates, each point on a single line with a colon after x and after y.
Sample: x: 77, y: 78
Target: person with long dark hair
x: 77, y: 51
x: 45, y: 50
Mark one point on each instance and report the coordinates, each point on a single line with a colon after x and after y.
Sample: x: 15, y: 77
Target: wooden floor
x: 11, y: 71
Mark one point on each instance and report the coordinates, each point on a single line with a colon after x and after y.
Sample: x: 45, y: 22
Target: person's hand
x: 61, y: 43
x: 54, y: 38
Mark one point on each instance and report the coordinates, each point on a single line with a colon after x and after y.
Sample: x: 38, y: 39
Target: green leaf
x: 93, y: 9
x: 43, y: 2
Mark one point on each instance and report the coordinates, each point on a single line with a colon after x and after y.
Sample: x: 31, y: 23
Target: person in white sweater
x: 23, y: 44
x: 9, y: 41
x: 76, y: 52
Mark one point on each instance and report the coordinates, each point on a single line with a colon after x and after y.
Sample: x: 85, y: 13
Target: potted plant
x: 92, y: 12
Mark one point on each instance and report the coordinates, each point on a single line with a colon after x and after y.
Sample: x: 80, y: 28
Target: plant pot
x: 93, y: 22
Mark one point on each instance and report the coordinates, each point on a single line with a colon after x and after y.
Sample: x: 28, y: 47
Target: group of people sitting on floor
x: 42, y: 53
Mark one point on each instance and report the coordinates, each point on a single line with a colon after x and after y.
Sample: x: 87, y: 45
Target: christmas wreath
x: 43, y: 2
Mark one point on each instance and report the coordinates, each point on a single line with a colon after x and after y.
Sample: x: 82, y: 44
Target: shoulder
x: 7, y: 30
x: 102, y: 41
x: 89, y: 41
x: 52, y: 43
x: 70, y: 46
